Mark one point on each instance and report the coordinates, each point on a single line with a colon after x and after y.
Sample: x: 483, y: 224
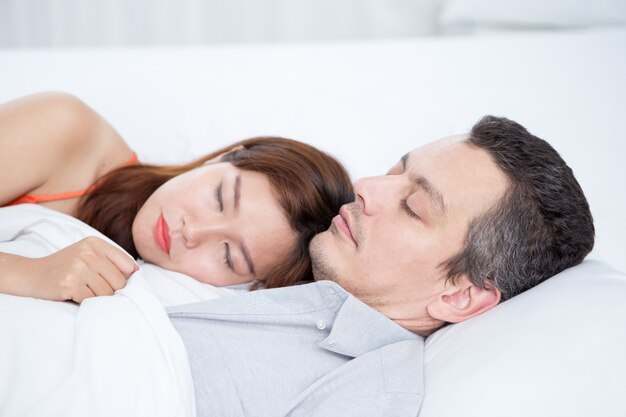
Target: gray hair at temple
x: 541, y: 226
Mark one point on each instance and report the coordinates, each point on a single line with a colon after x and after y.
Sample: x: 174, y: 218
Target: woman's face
x: 216, y: 223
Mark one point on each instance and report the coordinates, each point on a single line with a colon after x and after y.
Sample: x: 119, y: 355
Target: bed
x: 555, y: 350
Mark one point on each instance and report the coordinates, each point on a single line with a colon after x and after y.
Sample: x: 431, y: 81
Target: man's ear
x: 463, y: 301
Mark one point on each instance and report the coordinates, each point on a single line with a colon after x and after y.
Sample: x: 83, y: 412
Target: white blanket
x: 110, y: 356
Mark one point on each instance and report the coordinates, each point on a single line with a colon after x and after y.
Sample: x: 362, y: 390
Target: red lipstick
x: 162, y: 234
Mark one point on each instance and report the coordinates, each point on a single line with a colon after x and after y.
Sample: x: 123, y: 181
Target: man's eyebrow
x: 434, y: 195
x: 404, y: 159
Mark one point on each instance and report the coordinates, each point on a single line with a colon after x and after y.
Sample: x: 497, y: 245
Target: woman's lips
x: 341, y: 223
x: 162, y: 234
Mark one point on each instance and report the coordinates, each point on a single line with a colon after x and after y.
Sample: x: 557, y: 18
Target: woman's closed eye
x: 228, y: 261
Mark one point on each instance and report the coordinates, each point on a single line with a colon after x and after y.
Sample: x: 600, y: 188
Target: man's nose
x: 376, y: 194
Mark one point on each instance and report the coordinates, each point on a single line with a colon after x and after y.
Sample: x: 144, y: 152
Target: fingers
x: 83, y: 282
x: 99, y: 285
x: 107, y: 278
x: 88, y: 268
x: 99, y: 269
x: 81, y: 292
x: 120, y: 259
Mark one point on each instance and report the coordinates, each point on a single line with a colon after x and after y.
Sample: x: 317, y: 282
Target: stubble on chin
x: 320, y: 264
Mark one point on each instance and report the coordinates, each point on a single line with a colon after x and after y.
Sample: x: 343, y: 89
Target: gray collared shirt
x: 311, y: 350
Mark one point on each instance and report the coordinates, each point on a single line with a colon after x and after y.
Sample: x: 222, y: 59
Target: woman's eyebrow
x: 242, y: 245
x: 246, y: 256
x: 237, y: 191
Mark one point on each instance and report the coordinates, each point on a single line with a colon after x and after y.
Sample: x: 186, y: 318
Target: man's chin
x: 319, y: 242
x: 319, y: 251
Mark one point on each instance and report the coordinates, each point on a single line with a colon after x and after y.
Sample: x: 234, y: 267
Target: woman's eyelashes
x: 228, y: 261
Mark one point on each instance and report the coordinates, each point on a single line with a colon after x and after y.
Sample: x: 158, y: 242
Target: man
x: 454, y: 228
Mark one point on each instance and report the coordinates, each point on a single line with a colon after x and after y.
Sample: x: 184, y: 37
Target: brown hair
x: 311, y: 187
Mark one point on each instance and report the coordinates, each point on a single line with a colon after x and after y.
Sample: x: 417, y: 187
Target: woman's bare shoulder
x: 54, y: 143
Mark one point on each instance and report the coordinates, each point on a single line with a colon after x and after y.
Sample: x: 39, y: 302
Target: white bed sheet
x: 110, y: 356
x: 367, y: 103
x: 113, y: 356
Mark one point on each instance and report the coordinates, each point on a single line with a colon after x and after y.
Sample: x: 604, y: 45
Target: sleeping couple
x: 451, y: 230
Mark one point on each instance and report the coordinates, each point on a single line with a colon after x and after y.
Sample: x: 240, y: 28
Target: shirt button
x: 321, y: 324
x: 332, y: 344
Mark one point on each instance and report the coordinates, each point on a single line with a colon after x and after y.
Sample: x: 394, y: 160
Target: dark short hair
x: 541, y: 226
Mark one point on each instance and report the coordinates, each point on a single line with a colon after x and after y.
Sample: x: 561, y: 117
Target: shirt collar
x: 358, y: 329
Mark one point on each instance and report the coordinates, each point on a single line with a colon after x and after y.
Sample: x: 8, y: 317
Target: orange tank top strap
x: 43, y: 198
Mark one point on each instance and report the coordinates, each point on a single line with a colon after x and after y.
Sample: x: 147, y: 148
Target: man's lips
x: 162, y: 234
x: 342, y: 222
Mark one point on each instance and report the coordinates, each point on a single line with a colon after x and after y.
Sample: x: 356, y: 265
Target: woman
x: 245, y: 213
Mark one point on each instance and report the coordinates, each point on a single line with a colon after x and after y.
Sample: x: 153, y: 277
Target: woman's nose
x: 197, y: 231
x: 376, y: 194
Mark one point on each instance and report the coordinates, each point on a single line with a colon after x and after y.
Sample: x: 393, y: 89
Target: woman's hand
x: 88, y: 268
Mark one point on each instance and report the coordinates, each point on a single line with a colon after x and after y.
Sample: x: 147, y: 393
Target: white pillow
x: 531, y: 14
x: 556, y: 350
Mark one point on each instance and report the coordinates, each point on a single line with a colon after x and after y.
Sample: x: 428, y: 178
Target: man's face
x: 387, y: 248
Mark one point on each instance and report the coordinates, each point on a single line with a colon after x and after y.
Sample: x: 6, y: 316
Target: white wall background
x: 87, y: 23
x: 40, y: 23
